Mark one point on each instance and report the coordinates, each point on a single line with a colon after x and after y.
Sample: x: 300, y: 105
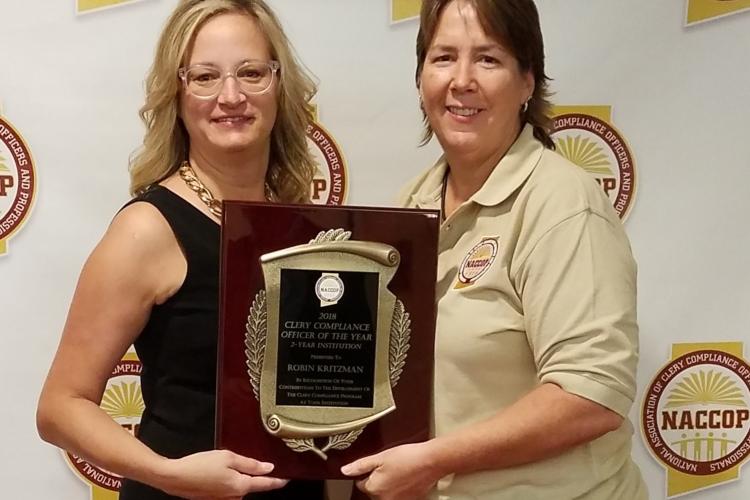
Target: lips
x: 232, y: 120
x: 463, y: 111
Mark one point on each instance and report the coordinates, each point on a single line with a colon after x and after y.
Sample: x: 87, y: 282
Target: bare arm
x: 137, y: 264
x: 521, y: 433
x: 518, y: 435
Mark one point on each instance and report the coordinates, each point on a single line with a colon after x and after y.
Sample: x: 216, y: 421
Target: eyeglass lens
x: 252, y: 77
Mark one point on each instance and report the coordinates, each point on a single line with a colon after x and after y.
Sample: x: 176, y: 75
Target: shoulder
x: 149, y: 218
x: 405, y: 196
x: 140, y: 250
x: 561, y: 189
x: 421, y: 185
x: 140, y: 225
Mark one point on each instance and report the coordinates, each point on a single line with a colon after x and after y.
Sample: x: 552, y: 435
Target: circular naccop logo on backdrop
x: 695, y: 417
x: 17, y: 182
x: 122, y: 400
x: 477, y: 261
x: 598, y: 148
x: 329, y: 187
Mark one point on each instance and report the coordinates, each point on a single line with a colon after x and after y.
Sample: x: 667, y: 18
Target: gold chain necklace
x: 194, y: 183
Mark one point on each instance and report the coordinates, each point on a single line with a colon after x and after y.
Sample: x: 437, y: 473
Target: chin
x: 460, y: 143
x: 237, y: 142
x: 236, y: 147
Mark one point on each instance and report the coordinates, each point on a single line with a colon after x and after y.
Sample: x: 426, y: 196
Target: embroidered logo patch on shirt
x: 477, y: 262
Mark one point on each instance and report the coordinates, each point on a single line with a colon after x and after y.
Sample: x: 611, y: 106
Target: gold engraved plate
x: 326, y: 341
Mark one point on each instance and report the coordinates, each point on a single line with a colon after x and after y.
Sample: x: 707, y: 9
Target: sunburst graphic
x: 123, y: 400
x: 585, y: 153
x: 706, y: 388
x: 3, y: 168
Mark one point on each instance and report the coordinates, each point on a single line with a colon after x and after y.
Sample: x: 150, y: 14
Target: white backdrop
x: 71, y: 85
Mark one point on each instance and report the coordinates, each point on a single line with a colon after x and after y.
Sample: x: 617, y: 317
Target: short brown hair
x: 515, y: 24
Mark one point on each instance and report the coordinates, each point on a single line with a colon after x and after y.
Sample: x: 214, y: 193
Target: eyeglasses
x: 206, y: 81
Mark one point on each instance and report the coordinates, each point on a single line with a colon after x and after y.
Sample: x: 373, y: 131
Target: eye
x: 488, y: 61
x: 203, y: 76
x: 253, y: 73
x: 440, y: 58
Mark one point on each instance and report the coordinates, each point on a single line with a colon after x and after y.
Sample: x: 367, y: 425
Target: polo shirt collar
x: 508, y: 175
x: 428, y: 194
x: 512, y: 170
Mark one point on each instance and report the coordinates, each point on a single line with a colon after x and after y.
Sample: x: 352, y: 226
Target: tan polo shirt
x: 536, y: 283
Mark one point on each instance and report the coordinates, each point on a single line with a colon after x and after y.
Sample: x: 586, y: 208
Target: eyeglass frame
x: 273, y: 65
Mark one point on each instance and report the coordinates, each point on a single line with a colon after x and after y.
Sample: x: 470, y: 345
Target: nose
x: 463, y: 77
x: 230, y: 92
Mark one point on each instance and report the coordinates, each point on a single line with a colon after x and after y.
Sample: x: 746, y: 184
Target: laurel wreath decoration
x: 303, y: 445
x: 255, y: 348
x: 399, y: 345
x: 342, y: 441
x: 335, y: 442
x: 255, y: 340
x: 331, y: 235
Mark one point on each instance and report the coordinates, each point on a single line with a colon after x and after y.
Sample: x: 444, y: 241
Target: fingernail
x: 346, y: 469
x: 267, y: 466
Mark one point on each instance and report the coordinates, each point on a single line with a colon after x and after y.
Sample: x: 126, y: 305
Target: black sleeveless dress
x: 177, y: 349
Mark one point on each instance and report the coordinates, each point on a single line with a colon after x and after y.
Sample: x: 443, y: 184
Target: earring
x: 525, y: 106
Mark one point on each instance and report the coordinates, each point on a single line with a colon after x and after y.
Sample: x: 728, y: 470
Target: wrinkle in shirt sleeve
x: 578, y: 288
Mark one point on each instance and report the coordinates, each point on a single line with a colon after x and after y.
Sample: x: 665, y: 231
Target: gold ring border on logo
x: 317, y: 127
x: 32, y: 192
x: 487, y: 241
x: 702, y: 468
x: 629, y: 153
x: 76, y: 463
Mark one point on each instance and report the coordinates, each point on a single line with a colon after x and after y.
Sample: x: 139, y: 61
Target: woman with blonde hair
x: 226, y: 113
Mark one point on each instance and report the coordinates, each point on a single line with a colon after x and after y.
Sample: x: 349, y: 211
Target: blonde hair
x: 166, y: 142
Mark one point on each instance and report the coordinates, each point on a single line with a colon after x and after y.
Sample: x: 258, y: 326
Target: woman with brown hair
x: 226, y: 112
x: 537, y: 340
